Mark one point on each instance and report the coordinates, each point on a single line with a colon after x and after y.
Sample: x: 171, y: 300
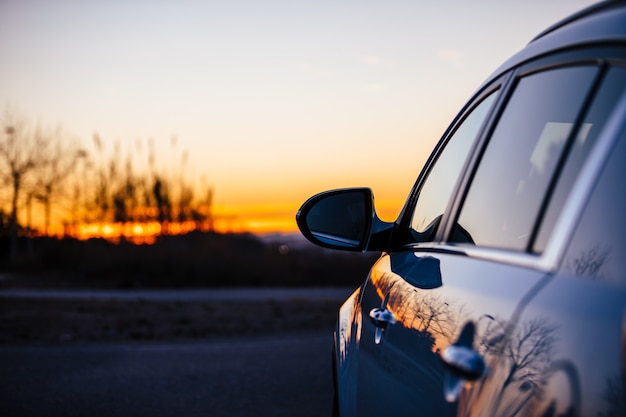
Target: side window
x: 439, y: 184
x: 598, y: 246
x: 603, y: 103
x: 513, y: 176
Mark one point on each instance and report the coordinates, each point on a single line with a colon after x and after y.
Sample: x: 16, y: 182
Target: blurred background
x: 156, y: 143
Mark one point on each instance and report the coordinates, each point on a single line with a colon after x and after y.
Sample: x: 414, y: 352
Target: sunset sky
x: 273, y: 100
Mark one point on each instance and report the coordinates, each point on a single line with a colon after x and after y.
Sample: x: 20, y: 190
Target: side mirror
x: 341, y: 219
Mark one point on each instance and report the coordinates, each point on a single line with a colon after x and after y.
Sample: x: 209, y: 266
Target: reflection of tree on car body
x: 528, y: 348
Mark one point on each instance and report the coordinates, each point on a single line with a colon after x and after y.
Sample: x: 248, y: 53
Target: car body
x: 501, y: 286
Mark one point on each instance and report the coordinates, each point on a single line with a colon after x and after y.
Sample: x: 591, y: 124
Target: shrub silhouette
x: 197, y: 259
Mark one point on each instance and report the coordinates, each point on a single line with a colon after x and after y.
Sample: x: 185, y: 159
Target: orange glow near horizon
x: 147, y: 233
x: 231, y: 220
x: 259, y: 219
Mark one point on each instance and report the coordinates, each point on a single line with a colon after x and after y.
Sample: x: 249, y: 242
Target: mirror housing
x: 343, y: 219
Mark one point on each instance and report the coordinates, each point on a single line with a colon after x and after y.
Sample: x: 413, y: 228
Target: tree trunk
x: 13, y: 219
x: 46, y: 205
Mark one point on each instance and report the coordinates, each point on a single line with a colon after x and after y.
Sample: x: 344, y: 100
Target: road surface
x: 266, y: 375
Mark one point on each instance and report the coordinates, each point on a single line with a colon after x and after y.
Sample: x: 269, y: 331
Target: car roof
x: 603, y: 23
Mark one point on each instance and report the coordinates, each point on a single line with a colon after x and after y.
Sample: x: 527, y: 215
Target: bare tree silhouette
x: 21, y: 153
x: 206, y: 209
x: 527, y: 356
x: 163, y: 202
x: 101, y: 188
x: 125, y: 198
x: 614, y: 397
x: 62, y: 155
x: 421, y: 309
x: 79, y: 178
x: 108, y: 187
x: 589, y: 263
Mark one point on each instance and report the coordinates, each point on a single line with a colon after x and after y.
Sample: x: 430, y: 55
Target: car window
x: 515, y: 171
x: 610, y: 91
x: 439, y: 184
x: 598, y: 246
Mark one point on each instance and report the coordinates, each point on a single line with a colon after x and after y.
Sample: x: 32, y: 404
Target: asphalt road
x: 273, y: 375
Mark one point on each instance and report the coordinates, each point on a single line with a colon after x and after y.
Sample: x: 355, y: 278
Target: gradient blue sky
x: 273, y: 100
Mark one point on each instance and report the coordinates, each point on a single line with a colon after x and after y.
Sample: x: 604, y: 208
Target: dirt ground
x: 45, y: 321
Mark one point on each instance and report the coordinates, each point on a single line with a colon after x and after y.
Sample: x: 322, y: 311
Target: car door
x: 565, y: 353
x: 437, y: 312
x: 429, y: 295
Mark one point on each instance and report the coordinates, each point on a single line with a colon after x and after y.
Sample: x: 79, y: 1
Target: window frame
x: 487, y: 99
x: 549, y: 260
x: 406, y: 215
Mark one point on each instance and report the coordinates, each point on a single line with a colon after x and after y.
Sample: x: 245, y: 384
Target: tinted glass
x: 511, y: 181
x: 598, y: 248
x: 612, y: 88
x: 439, y: 184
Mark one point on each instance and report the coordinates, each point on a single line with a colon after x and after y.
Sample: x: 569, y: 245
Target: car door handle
x: 464, y: 361
x: 381, y: 317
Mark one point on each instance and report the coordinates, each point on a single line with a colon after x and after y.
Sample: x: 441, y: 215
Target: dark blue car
x: 501, y: 288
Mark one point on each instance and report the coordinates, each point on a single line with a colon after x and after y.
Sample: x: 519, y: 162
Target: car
x: 500, y: 289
